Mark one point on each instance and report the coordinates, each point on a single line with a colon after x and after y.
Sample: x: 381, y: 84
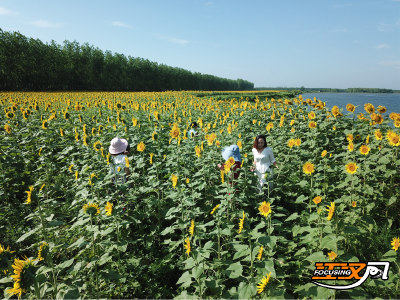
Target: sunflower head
x: 381, y: 109
x: 369, y: 108
x: 43, y: 251
x: 91, y: 209
x: 350, y: 107
x: 291, y: 143
x: 394, y: 140
x: 108, y: 208
x: 323, y: 154
x: 265, y: 209
x: 332, y: 255
x: 308, y: 168
x: 317, y: 199
x: 141, y: 146
x: 312, y: 124
x: 45, y: 125
x: 24, y: 273
x: 351, y: 168
x: 395, y: 243
x: 364, y: 149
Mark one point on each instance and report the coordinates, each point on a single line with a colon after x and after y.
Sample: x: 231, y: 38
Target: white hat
x: 118, y: 146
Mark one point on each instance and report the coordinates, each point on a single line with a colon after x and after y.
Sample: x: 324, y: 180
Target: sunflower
x: 174, y: 179
x: 187, y: 246
x: 369, y: 108
x: 187, y: 180
x: 45, y: 125
x: 241, y: 223
x: 10, y: 115
x: 156, y: 115
x: 360, y: 116
x: 354, y: 204
x: 108, y: 208
x: 231, y: 161
x: 308, y: 168
x: 240, y: 145
x: 350, y: 107
x: 97, y: 146
x: 7, y: 128
x: 175, y: 132
x: 381, y: 109
x: 198, y: 151
x: 214, y: 209
x: 312, y: 124
x: 317, y: 199
x: 331, y: 211
x: 395, y: 243
x: 351, y: 168
x: 141, y: 146
x: 297, y: 142
x: 151, y: 158
x: 396, y: 123
x: 43, y: 251
x: 29, y: 200
x: 265, y: 209
x: 191, y: 228
x: 394, y: 140
x: 291, y: 123
x: 350, y: 147
x: 264, y: 281
x: 323, y: 154
x: 76, y: 175
x: 378, y: 119
x: 350, y: 137
x: 24, y: 271
x: 260, y: 252
x: 336, y: 111
x: 291, y: 143
x: 311, y: 115
x: 332, y: 255
x: 364, y: 149
x: 91, y: 209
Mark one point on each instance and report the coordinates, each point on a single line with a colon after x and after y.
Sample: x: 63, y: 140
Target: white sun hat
x: 118, y: 145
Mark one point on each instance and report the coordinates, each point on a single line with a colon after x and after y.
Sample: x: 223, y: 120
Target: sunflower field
x: 179, y: 228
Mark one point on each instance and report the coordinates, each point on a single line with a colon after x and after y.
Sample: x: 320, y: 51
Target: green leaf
x: 292, y: 217
x: 55, y: 223
x: 246, y: 291
x: 184, y: 295
x: 6, y: 280
x: 353, y: 229
x: 197, y: 271
x: 324, y: 293
x: 167, y: 230
x: 109, y: 274
x: 281, y: 294
x: 105, y: 258
x: 268, y: 240
x: 121, y: 246
x: 72, y: 292
x: 65, y: 264
x: 301, y: 199
x: 390, y: 253
x: 330, y: 241
x: 234, y: 270
x: 208, y: 245
x: 317, y: 257
x: 359, y: 293
x: 185, y: 278
x: 242, y: 252
x: 29, y: 233
x: 79, y: 243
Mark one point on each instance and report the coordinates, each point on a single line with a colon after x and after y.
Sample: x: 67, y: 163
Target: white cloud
x: 390, y: 63
x: 209, y: 3
x: 384, y: 27
x: 120, y: 24
x: 7, y: 12
x: 173, y: 40
x: 339, y: 30
x: 382, y: 46
x: 46, y: 24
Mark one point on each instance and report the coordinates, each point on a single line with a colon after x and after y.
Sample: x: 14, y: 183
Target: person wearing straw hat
x: 263, y: 159
x: 228, y: 152
x: 119, y: 149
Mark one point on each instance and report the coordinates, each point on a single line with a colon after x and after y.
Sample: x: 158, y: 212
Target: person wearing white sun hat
x: 119, y: 149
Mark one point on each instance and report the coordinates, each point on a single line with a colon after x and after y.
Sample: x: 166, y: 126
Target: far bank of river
x: 390, y: 101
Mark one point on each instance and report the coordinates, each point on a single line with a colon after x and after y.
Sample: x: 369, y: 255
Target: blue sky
x: 336, y: 44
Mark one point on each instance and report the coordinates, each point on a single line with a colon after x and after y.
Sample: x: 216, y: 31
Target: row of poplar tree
x: 30, y: 64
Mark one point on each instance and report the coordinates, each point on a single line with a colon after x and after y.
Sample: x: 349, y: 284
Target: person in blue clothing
x: 192, y: 132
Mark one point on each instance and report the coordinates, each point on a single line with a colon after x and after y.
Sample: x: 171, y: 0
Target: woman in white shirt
x: 263, y: 159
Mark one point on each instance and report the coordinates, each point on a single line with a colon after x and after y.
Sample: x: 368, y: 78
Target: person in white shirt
x: 119, y: 149
x: 263, y: 160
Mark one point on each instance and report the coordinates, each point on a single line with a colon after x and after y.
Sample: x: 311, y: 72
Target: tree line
x: 30, y: 64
